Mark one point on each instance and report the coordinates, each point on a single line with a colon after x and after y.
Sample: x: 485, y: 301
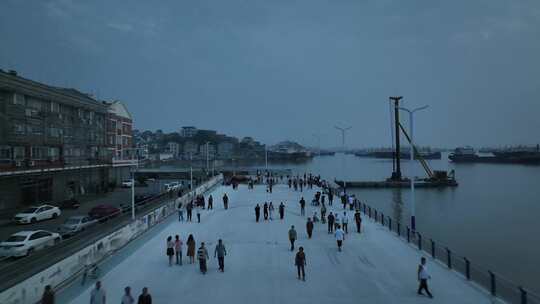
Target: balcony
x: 26, y: 166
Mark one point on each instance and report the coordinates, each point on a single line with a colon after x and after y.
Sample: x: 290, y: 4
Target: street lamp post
x: 411, y: 131
x: 190, y: 171
x: 207, y: 164
x: 266, y: 158
x: 343, y: 130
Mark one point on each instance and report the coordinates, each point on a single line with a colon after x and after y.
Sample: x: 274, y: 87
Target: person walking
x: 271, y: 211
x: 178, y: 250
x: 337, y: 221
x: 180, y: 212
x: 331, y: 220
x: 220, y: 252
x: 292, y: 237
x: 97, y: 296
x: 309, y: 227
x: 323, y: 213
x: 202, y: 255
x: 281, y: 211
x: 48, y: 295
x: 265, y: 211
x: 300, y: 262
x: 340, y: 236
x: 357, y: 220
x: 145, y: 297
x: 225, y: 201
x: 423, y: 277
x: 127, y: 298
x: 257, y: 213
x: 210, y: 202
x: 189, y: 209
x: 330, y: 197
x: 191, y: 248
x: 345, y: 222
x: 170, y: 250
x: 302, y: 206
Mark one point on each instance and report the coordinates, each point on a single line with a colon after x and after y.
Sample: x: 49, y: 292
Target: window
x: 29, y: 112
x: 19, y: 128
x: 34, y: 130
x: 5, y: 152
x: 124, y: 141
x: 19, y: 99
x: 55, y: 107
x: 35, y: 104
x: 53, y: 154
x: 39, y: 153
x: 55, y: 132
x: 18, y: 152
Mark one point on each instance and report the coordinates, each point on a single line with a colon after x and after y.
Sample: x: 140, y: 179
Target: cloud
x: 122, y: 27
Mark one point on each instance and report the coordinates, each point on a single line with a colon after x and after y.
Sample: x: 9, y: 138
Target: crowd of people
x: 336, y: 222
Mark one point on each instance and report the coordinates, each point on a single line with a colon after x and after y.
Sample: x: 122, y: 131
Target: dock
x: 397, y: 184
x: 375, y: 266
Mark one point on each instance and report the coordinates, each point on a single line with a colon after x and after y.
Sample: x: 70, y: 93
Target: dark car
x: 69, y: 204
x: 104, y: 212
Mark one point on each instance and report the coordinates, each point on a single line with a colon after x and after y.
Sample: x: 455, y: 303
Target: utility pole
x: 343, y: 130
x: 396, y: 175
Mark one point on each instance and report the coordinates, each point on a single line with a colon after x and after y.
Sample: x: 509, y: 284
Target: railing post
x: 382, y: 219
x: 467, y: 268
x: 390, y: 223
x: 376, y: 217
x: 364, y: 208
x: 493, y: 283
x: 419, y: 241
x: 369, y: 209
x: 432, y: 248
x: 448, y: 258
x: 398, y: 229
x: 523, y: 295
x: 408, y: 234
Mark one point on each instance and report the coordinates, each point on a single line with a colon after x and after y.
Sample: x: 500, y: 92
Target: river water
x: 491, y: 217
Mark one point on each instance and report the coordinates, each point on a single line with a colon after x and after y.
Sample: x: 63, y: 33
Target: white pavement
x: 374, y: 267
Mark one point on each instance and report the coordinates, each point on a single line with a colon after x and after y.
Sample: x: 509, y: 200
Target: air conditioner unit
x: 31, y: 163
x: 18, y: 163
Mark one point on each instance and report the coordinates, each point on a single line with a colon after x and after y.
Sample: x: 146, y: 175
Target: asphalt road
x: 115, y: 198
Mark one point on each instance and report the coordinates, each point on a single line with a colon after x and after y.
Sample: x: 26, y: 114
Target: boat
x: 511, y: 156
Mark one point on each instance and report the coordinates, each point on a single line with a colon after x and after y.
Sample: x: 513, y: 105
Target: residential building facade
x: 52, y: 143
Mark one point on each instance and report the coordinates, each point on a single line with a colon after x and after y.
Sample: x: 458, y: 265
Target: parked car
x: 70, y: 204
x: 128, y: 183
x: 172, y: 186
x: 103, y: 212
x: 75, y: 224
x: 24, y: 243
x: 37, y: 213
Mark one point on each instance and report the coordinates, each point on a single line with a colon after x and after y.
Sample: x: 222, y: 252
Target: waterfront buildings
x: 58, y: 143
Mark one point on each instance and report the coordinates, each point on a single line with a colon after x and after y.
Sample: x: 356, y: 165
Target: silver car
x: 24, y: 243
x: 75, y: 224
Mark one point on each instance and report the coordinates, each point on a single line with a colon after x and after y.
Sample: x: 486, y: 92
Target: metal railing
x: 497, y: 285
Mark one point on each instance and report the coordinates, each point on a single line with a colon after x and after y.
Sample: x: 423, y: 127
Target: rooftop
x: 374, y: 266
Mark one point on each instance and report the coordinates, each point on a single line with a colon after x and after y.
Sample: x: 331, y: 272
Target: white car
x: 37, y: 213
x: 128, y: 183
x: 172, y: 186
x: 75, y: 224
x: 24, y: 243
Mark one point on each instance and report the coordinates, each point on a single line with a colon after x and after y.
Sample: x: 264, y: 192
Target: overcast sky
x: 284, y: 69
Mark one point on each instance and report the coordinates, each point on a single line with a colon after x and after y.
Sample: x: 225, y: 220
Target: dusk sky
x: 278, y: 70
